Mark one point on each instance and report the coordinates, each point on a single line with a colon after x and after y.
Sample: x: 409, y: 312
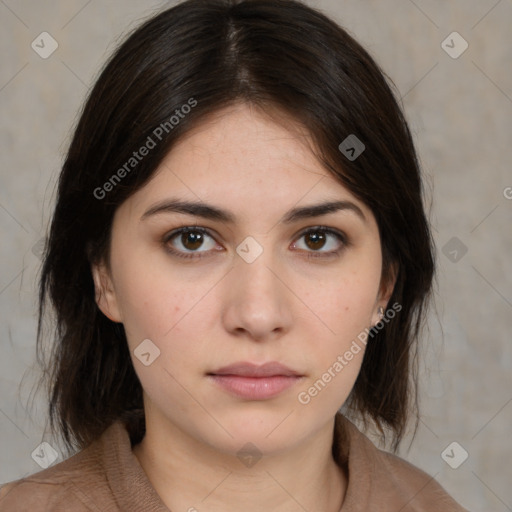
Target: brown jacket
x: 107, y: 477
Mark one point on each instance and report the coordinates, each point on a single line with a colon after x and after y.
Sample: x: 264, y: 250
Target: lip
x: 255, y: 382
x: 246, y: 369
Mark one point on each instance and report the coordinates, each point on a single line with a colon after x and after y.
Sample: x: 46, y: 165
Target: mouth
x: 255, y: 382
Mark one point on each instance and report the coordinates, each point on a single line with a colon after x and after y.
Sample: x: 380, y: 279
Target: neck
x: 190, y: 475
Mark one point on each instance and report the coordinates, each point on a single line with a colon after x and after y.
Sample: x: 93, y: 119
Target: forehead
x: 246, y: 158
x: 245, y: 141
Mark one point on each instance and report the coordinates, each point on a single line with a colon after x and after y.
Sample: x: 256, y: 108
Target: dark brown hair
x: 273, y: 54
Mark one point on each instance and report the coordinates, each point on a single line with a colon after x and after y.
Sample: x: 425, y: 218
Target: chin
x: 271, y: 430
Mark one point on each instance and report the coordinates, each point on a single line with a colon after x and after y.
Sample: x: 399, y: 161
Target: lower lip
x: 255, y: 388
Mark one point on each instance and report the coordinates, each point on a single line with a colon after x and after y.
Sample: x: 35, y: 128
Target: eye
x: 185, y: 242
x: 320, y: 237
x: 319, y: 242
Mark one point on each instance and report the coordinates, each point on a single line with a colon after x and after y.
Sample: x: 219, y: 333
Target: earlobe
x: 105, y: 294
x: 378, y: 316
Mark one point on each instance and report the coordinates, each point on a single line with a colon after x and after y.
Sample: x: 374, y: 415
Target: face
x: 221, y: 265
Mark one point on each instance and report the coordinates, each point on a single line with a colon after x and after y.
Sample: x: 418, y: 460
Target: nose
x: 258, y: 304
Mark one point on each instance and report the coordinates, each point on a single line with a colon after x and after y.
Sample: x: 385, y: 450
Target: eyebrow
x: 206, y: 211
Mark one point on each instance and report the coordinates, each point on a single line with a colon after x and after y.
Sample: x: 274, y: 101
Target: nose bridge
x: 255, y: 271
x: 257, y: 299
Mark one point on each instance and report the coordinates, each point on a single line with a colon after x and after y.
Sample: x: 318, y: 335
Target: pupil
x: 317, y: 239
x: 192, y: 240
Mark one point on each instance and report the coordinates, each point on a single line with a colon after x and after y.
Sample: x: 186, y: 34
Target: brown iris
x: 315, y: 240
x: 192, y: 239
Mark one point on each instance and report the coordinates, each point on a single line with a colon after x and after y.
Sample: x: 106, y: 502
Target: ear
x: 105, y: 293
x: 387, y: 286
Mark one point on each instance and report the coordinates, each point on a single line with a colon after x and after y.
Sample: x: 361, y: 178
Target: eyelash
x: 202, y: 254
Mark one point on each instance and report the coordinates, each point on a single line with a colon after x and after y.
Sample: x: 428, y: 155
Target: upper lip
x: 245, y: 369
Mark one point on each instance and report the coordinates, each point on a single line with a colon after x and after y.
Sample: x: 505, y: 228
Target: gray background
x: 460, y: 111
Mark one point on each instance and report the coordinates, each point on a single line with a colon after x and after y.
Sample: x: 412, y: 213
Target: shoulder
x: 43, y: 496
x: 77, y: 484
x: 388, y: 479
x: 421, y: 490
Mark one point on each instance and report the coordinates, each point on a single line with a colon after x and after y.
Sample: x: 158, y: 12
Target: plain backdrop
x: 459, y: 106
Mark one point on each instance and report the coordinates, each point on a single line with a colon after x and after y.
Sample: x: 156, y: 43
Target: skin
x: 206, y: 313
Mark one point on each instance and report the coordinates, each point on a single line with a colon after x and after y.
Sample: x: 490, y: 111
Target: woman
x: 238, y: 250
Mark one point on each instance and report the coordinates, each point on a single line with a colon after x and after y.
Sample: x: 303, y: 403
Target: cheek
x: 160, y: 303
x: 150, y: 304
x: 152, y: 294
x: 337, y: 357
x: 161, y: 309
x: 148, y: 307
x: 346, y: 303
